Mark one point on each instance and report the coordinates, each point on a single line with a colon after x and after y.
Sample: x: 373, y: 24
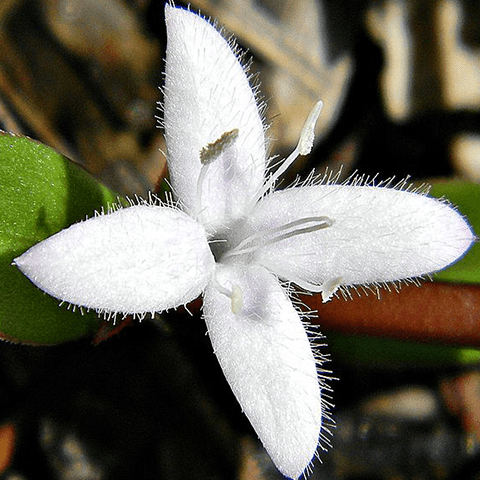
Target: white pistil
x: 274, y: 235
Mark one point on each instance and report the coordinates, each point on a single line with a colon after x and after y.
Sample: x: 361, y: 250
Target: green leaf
x: 387, y: 352
x: 41, y: 192
x: 466, y: 196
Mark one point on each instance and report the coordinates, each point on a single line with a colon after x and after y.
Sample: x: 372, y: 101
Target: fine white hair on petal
x: 266, y: 357
x: 207, y: 94
x: 377, y: 235
x: 139, y: 259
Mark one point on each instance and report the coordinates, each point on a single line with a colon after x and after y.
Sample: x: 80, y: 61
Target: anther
x: 305, y: 143
x: 235, y: 295
x: 236, y: 299
x: 213, y: 150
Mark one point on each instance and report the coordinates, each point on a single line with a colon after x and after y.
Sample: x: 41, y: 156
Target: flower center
x: 222, y: 250
x: 221, y: 245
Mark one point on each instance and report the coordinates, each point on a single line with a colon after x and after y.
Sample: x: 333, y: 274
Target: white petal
x: 377, y: 235
x: 207, y: 95
x: 266, y: 357
x: 139, y: 259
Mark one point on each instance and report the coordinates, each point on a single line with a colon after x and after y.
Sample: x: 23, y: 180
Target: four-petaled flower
x: 231, y: 237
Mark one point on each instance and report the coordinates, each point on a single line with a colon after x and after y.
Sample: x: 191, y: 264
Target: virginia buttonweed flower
x: 234, y: 239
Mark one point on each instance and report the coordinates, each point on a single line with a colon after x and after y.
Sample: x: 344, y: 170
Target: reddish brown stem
x: 441, y: 312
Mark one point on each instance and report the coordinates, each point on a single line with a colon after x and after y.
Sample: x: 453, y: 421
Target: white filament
x: 274, y: 235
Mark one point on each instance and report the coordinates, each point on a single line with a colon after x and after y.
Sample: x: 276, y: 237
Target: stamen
x: 304, y: 147
x: 235, y: 295
x: 328, y: 288
x: 275, y: 235
x: 208, y: 155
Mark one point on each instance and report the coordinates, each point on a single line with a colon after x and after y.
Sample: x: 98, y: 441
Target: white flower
x: 233, y: 237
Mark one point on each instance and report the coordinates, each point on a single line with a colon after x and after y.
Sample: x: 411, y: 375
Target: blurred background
x: 401, y: 85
